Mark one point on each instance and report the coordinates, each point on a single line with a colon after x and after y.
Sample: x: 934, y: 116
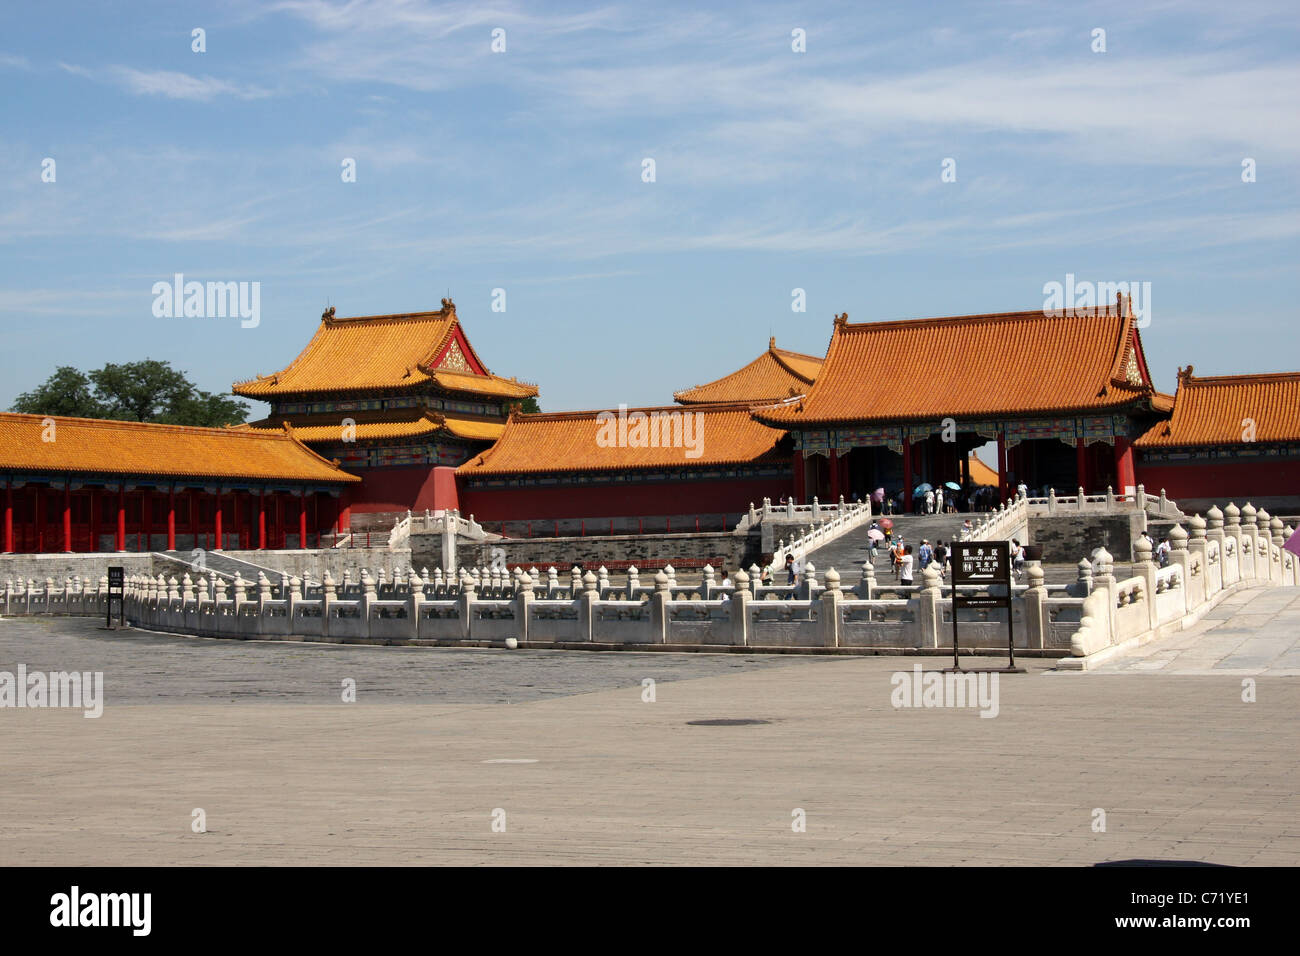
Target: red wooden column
x: 121, y: 517
x: 1081, y: 462
x: 907, y: 474
x: 278, y: 540
x: 67, y: 516
x: 345, y: 515
x: 217, y: 521
x: 1002, y: 465
x: 261, y: 519
x: 171, y: 518
x: 1124, y: 473
x: 9, y: 516
x: 834, y: 468
x: 94, y: 518
x: 302, y: 520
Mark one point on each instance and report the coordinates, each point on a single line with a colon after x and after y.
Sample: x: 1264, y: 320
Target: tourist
x: 905, y: 567
x: 925, y: 554
x: 766, y: 579
x: 938, y: 501
x: 1162, y: 551
x: 1017, y: 558
x: 898, y: 551
x: 967, y: 528
x: 941, y: 556
x: 789, y: 570
x: 929, y: 501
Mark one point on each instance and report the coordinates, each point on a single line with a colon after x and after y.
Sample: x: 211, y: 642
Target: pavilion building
x: 400, y: 400
x: 551, y: 466
x: 774, y: 376
x: 898, y: 403
x: 698, y: 459
x: 1230, y: 437
x: 81, y: 484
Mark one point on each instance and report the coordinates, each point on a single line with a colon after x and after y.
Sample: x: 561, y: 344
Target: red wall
x: 599, y: 501
x: 1223, y: 481
x: 399, y: 489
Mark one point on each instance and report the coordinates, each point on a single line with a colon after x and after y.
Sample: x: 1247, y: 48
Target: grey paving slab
x: 1256, y: 631
x: 1183, y: 769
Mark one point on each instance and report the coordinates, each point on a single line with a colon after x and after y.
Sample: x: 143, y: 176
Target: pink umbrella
x: 875, y: 534
x: 1293, y: 543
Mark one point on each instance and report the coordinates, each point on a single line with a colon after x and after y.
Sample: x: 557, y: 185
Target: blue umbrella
x: 953, y: 485
x: 922, y: 488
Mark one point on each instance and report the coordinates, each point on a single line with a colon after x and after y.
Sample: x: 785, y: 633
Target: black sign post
x: 986, y: 564
x: 116, y: 592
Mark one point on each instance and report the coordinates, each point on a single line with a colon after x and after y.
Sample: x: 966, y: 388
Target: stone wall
x: 23, y: 567
x: 1063, y: 537
x: 721, y: 549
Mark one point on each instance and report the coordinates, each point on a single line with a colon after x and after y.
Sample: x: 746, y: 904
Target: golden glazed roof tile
x: 589, y: 441
x: 384, y: 352
x: 99, y: 446
x: 1230, y: 410
x: 775, y: 375
x: 1015, y: 363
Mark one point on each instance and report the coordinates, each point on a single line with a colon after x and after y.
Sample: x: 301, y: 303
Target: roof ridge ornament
x: 327, y: 315
x: 448, y: 305
x: 841, y: 319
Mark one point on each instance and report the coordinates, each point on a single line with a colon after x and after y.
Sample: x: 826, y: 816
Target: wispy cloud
x: 168, y: 83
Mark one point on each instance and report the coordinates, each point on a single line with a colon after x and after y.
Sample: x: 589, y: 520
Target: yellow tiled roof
x: 1217, y: 410
x: 374, y: 352
x: 570, y: 442
x: 99, y: 446
x: 1012, y: 363
x: 980, y: 473
x: 385, y: 426
x: 483, y: 384
x: 775, y: 375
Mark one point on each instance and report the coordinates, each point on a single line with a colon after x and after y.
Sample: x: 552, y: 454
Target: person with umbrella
x: 875, y: 536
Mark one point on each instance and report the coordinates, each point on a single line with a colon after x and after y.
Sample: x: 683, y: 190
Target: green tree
x: 529, y: 405
x: 67, y: 392
x: 146, y: 391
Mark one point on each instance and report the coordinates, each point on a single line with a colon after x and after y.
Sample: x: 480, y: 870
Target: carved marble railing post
x: 828, y: 619
x: 633, y: 583
x: 602, y: 581
x: 706, y: 583
x: 327, y: 600
x: 241, y: 598
x: 1103, y: 578
x: 659, y: 625
x: 1083, y: 578
x: 927, y: 607
x: 738, y: 608
x: 808, y: 582
x: 587, y: 607
x: 866, y: 588
x: 524, y: 597
x: 465, y: 605
x: 1036, y: 623
x: 575, y: 583
x: 1145, y: 568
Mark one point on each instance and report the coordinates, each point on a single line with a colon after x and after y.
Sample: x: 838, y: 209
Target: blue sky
x: 522, y: 170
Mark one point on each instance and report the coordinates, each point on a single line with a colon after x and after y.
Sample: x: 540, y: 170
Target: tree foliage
x: 146, y: 391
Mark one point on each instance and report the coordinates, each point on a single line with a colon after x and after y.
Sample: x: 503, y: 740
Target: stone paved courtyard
x: 256, y: 735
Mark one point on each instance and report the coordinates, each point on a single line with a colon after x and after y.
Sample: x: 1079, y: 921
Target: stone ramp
x: 223, y: 565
